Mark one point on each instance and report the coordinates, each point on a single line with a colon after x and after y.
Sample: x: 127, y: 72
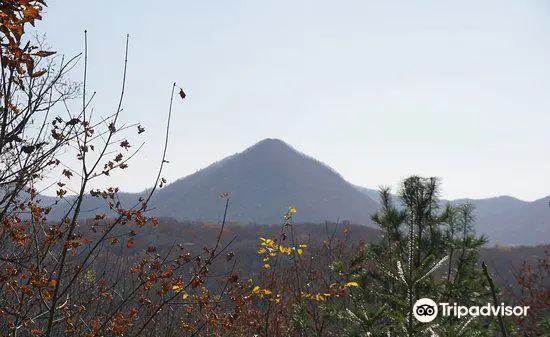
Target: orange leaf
x: 43, y: 53
x: 39, y: 73
x: 31, y: 13
x: 47, y: 295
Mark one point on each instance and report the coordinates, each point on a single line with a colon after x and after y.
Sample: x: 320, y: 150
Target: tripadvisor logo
x: 426, y: 310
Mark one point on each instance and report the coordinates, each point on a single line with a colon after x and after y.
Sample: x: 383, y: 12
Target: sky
x: 377, y: 90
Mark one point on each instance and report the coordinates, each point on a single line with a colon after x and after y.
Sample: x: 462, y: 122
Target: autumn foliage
x: 534, y: 291
x: 114, y: 273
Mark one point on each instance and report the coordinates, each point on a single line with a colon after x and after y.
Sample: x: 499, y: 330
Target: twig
x: 495, y: 300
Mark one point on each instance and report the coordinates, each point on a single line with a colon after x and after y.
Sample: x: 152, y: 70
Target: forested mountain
x: 268, y: 177
x: 264, y: 180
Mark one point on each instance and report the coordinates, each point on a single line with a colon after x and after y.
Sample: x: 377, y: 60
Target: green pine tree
x: 426, y: 251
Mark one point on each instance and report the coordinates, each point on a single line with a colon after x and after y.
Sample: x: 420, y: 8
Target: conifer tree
x: 426, y: 251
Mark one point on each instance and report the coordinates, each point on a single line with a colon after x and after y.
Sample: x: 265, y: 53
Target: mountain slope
x: 264, y: 180
x: 509, y: 220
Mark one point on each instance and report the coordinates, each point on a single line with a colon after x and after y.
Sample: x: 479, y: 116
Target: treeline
x: 505, y: 260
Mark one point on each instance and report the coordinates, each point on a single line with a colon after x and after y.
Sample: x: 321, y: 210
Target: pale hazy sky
x: 378, y: 90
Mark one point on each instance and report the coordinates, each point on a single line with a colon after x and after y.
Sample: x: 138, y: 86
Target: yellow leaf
x: 267, y: 266
x: 256, y: 290
x: 299, y: 251
x: 184, y: 296
x: 293, y: 210
x: 352, y: 284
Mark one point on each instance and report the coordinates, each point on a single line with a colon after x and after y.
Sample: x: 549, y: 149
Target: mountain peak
x: 271, y: 148
x: 271, y: 143
x: 264, y: 180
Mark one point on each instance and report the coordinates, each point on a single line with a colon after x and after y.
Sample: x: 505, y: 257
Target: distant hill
x: 264, y: 180
x: 509, y: 220
x: 504, y: 219
x: 268, y: 177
